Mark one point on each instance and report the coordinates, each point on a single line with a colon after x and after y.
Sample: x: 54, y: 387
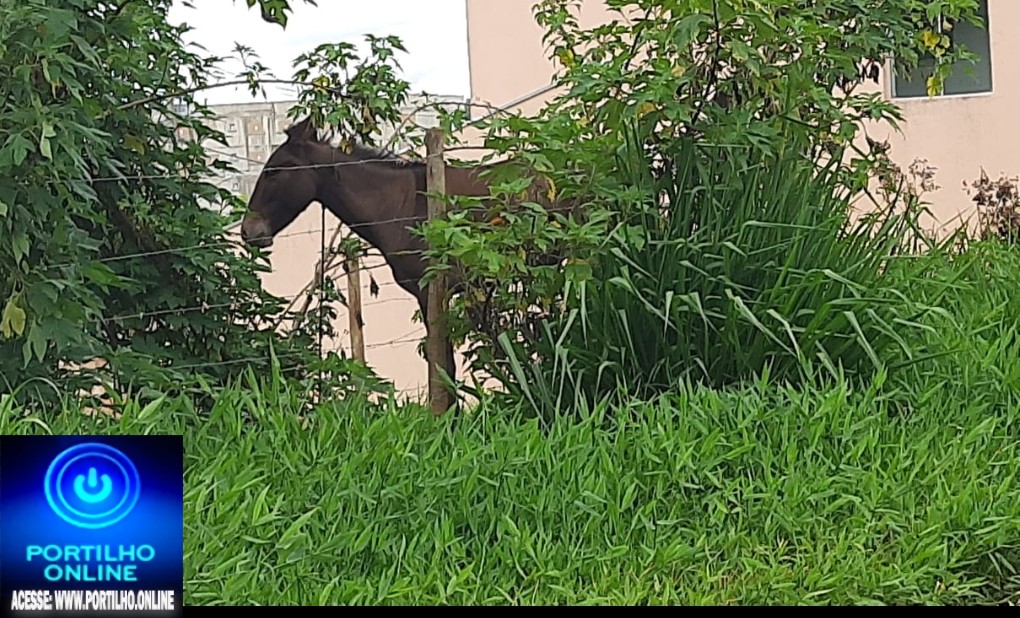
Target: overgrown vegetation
x: 764, y: 495
x: 712, y: 147
x: 726, y: 264
x: 741, y: 397
x: 117, y: 268
x: 113, y: 257
x: 109, y: 252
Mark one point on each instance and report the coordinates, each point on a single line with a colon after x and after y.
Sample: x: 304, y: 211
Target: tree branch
x: 238, y: 82
x: 424, y: 106
x: 713, y: 75
x: 637, y: 38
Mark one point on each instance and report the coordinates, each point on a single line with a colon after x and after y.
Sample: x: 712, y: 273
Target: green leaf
x: 273, y: 11
x: 151, y: 408
x: 687, y: 29
x: 133, y: 143
x: 20, y: 244
x: 12, y: 323
x: 99, y: 273
x: 3, y: 209
x: 36, y: 343
x: 19, y: 148
x: 578, y: 271
x: 46, y: 70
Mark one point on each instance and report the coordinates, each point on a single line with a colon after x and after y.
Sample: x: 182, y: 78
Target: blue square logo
x: 91, y: 525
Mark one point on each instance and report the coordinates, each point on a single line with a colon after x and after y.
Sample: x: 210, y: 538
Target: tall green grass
x: 725, y: 263
x: 974, y: 338
x: 761, y: 495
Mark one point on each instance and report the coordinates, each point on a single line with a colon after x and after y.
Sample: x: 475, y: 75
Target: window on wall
x: 967, y: 77
x: 179, y: 107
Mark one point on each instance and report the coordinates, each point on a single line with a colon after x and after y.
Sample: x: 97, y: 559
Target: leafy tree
x: 109, y: 253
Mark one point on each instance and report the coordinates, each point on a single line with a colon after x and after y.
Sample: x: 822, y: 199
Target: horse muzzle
x: 256, y: 232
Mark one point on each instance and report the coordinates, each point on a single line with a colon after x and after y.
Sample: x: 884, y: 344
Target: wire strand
x: 229, y: 243
x: 206, y: 307
x: 168, y: 175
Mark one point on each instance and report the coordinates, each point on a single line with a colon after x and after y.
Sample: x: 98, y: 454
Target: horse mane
x: 383, y: 157
x: 305, y: 131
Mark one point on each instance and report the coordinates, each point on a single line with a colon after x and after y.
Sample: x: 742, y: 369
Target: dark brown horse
x: 379, y: 196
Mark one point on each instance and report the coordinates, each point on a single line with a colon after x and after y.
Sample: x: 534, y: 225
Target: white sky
x: 433, y: 31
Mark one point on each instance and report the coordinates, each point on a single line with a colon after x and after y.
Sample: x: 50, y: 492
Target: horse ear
x: 302, y: 131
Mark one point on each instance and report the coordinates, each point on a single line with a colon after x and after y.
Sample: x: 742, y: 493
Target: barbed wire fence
x: 325, y: 267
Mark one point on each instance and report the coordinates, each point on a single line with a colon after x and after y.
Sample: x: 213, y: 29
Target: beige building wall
x: 959, y: 135
x: 962, y: 134
x: 507, y: 59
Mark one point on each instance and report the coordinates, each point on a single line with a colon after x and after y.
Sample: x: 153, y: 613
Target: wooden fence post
x: 357, y: 324
x: 437, y: 342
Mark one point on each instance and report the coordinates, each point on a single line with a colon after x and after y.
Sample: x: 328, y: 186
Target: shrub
x: 998, y: 206
x: 734, y: 76
x: 723, y: 264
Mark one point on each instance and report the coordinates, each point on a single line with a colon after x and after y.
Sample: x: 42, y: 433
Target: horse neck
x: 369, y: 196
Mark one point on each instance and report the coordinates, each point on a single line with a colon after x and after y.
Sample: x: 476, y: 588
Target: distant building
x: 254, y: 130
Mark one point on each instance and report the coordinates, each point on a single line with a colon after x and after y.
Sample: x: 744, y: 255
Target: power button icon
x: 92, y: 485
x: 86, y: 495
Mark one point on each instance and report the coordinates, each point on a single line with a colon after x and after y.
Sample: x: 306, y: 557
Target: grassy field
x: 897, y: 492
